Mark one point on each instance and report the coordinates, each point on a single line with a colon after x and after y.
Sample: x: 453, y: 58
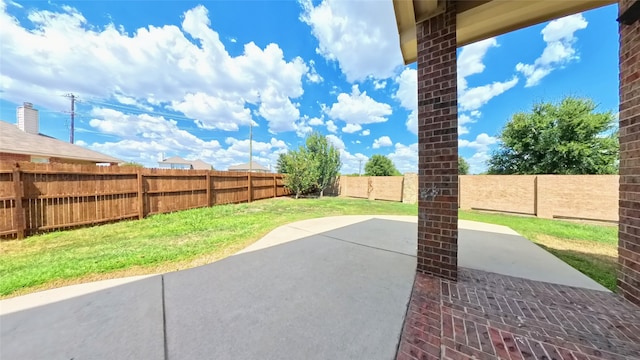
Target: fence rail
x: 43, y: 197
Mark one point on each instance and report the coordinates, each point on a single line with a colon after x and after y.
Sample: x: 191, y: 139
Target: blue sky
x: 188, y: 78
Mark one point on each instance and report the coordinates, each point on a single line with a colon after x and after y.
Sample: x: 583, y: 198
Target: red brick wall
x: 438, y: 146
x: 14, y: 157
x: 629, y: 229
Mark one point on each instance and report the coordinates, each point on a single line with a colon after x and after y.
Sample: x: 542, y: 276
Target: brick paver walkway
x: 491, y: 316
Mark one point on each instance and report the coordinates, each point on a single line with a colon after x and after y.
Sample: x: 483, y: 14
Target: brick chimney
x: 27, y: 118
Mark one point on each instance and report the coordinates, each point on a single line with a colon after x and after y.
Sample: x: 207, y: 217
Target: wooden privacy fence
x: 42, y: 197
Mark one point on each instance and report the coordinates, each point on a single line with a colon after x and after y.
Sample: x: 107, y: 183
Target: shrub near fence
x: 42, y: 197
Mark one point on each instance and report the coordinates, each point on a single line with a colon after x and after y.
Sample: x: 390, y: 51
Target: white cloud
x: 478, y: 162
x: 412, y: 122
x: 365, y: 132
x: 464, y: 119
x: 144, y: 137
x: 481, y: 143
x: 407, y: 93
x: 379, y: 84
x: 313, y: 75
x: 331, y: 127
x: 361, y: 37
x: 199, y: 78
x: 475, y: 98
x: 405, y: 158
x: 559, y: 51
x: 382, y: 142
x: 359, y: 108
x: 281, y: 113
x: 471, y: 62
x: 316, y: 121
x: 352, y: 163
x: 351, y: 128
x: 336, y: 141
x: 213, y: 112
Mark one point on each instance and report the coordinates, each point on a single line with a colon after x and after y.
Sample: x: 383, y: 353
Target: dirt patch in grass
x: 586, y: 247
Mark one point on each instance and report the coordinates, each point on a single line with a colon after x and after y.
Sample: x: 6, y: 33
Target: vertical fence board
x: 18, y: 215
x: 140, y: 195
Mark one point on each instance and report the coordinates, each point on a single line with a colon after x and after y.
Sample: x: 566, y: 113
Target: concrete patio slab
x: 320, y: 297
x: 122, y: 322
x: 317, y: 289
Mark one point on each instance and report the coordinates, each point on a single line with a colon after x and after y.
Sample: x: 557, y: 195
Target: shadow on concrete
x: 324, y: 296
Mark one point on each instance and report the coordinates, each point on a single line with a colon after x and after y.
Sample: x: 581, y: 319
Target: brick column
x: 438, y: 146
x: 629, y: 228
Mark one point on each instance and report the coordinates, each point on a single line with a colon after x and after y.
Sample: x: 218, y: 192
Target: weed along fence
x: 42, y: 197
x: 587, y: 197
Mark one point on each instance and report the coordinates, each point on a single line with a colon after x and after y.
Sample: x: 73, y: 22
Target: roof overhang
x: 481, y: 19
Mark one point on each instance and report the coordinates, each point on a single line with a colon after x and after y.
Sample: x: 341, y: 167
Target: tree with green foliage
x: 132, y: 164
x: 463, y: 166
x: 380, y: 165
x: 281, y: 164
x: 326, y: 159
x: 301, y: 175
x: 565, y: 138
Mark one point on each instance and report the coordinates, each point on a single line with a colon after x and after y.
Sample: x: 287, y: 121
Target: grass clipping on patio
x: 592, y: 249
x: 161, y: 243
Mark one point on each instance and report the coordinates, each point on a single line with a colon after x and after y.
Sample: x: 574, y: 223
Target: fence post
x: 140, y: 195
x: 208, y: 188
x: 18, y: 214
x: 250, y: 188
x: 275, y: 186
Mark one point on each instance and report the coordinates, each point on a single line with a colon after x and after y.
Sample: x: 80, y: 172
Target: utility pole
x: 73, y: 115
x: 360, y: 168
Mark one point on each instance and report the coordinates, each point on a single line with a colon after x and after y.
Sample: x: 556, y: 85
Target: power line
x: 139, y: 111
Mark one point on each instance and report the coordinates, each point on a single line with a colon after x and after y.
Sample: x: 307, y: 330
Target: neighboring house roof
x: 245, y: 167
x: 201, y: 165
x: 15, y: 141
x: 175, y: 160
x: 195, y: 164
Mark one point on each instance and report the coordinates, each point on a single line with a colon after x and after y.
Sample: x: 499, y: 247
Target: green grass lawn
x: 592, y: 249
x: 161, y: 243
x: 190, y: 238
